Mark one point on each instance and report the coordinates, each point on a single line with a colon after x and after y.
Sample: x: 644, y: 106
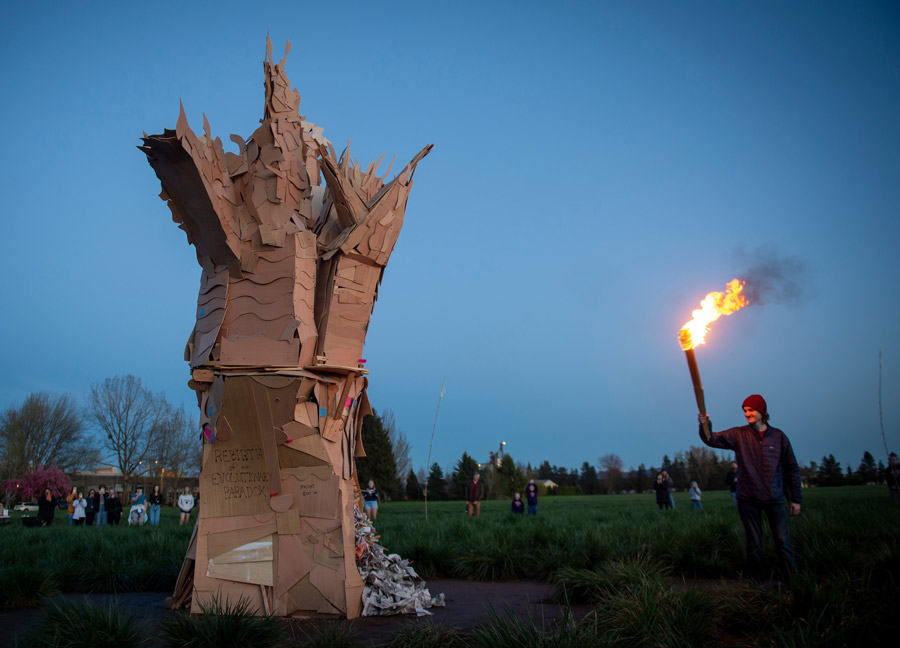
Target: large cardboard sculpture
x: 290, y: 274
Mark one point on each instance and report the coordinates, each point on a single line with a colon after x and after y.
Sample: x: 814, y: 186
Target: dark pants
x: 751, y: 517
x: 113, y: 518
x: 90, y: 518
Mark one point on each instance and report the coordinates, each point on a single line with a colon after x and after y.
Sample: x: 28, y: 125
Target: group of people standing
x: 664, y: 487
x: 101, y: 507
x: 475, y: 493
x: 531, y: 497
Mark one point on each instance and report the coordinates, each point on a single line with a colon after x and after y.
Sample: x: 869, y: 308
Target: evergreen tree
x: 437, y: 487
x: 466, y: 467
x: 379, y: 464
x: 544, y: 470
x: 413, y: 489
x: 642, y: 480
x: 588, y: 479
x: 867, y: 469
x: 830, y: 472
x: 678, y: 472
x: 510, y: 478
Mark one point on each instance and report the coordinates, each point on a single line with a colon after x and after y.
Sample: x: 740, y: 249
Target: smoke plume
x: 772, y: 277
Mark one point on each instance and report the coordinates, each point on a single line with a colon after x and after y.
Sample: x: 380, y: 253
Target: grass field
x: 654, y: 578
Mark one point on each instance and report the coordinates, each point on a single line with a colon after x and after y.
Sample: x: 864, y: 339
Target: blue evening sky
x: 598, y: 168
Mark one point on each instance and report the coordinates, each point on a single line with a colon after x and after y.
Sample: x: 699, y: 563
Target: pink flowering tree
x: 32, y: 485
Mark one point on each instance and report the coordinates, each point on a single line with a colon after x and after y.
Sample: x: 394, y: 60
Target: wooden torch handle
x: 698, y: 389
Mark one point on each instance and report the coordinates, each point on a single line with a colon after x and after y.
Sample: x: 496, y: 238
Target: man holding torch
x: 769, y: 472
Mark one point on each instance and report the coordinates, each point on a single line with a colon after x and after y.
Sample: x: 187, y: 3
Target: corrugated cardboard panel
x: 259, y: 550
x: 313, y: 496
x: 221, y: 543
x: 235, y: 479
x: 288, y: 523
x: 260, y: 573
x: 295, y: 563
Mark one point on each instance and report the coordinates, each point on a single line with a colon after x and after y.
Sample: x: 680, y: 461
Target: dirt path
x: 468, y: 603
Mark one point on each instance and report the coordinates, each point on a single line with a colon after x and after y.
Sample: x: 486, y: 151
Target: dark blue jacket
x: 531, y: 491
x: 769, y: 469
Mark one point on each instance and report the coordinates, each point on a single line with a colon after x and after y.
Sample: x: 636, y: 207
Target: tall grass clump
x: 80, y: 624
x: 650, y: 613
x: 222, y: 625
x: 428, y: 635
x: 508, y: 631
x: 572, y: 585
x: 25, y: 585
x: 333, y: 634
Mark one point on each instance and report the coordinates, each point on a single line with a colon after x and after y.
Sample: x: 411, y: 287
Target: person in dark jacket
x: 531, y: 496
x: 769, y: 472
x: 90, y: 511
x: 662, y: 485
x: 113, y: 508
x: 100, y: 500
x: 892, y: 477
x: 731, y: 480
x: 518, y: 506
x: 155, y: 503
x: 474, y: 495
x: 46, y: 508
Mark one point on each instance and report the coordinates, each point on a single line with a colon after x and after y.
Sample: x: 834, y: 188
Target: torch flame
x: 713, y: 306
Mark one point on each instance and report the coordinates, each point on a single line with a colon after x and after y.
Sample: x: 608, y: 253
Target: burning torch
x: 693, y: 333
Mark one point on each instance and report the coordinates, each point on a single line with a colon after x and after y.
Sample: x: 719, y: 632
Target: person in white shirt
x: 185, y: 505
x: 79, y: 504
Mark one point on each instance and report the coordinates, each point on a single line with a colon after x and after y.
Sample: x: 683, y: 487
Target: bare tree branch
x: 399, y: 442
x: 131, y: 418
x: 46, y: 429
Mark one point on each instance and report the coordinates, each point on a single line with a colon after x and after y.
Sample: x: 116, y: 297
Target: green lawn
x: 617, y: 553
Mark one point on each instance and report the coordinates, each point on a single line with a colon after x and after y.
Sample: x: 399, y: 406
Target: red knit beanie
x: 757, y: 402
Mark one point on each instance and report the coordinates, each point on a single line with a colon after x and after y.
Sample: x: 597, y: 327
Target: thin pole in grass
x: 430, y: 445
x: 880, y: 416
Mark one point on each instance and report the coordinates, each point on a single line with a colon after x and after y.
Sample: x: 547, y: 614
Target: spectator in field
x: 79, y: 505
x: 70, y: 500
x: 892, y: 476
x: 185, y: 505
x: 661, y: 486
x: 474, y: 495
x: 100, y: 500
x: 114, y: 508
x: 695, y: 496
x: 138, y: 514
x: 531, y: 494
x: 90, y: 512
x: 46, y: 508
x: 155, y: 501
x: 731, y: 480
x: 370, y: 501
x: 518, y: 506
x: 769, y: 471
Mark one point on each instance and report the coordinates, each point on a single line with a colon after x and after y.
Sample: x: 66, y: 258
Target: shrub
x: 222, y: 626
x: 25, y: 586
x: 80, y: 624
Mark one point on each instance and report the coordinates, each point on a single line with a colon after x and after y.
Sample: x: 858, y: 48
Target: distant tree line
x: 121, y: 424
x: 387, y: 464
